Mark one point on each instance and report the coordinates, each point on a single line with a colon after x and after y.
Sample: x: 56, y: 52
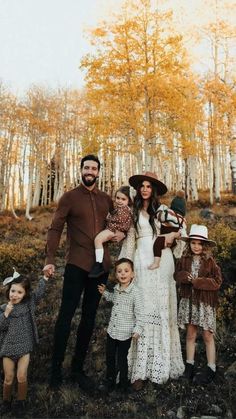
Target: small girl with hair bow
x: 18, y: 335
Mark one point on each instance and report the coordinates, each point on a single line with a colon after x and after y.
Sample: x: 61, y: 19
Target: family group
x: 143, y: 341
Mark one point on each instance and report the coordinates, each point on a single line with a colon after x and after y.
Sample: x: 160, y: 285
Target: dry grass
x: 153, y: 401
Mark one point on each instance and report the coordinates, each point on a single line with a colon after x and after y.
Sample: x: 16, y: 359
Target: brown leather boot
x: 22, y: 391
x: 7, y: 391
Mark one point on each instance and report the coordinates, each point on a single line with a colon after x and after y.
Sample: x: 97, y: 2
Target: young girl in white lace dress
x: 157, y: 353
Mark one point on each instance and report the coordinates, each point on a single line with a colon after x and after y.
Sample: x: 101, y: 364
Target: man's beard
x: 88, y: 182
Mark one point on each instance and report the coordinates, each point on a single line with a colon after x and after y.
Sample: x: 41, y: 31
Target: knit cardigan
x: 205, y: 287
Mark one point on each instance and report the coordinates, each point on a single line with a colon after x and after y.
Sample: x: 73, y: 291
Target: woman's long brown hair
x: 153, y: 206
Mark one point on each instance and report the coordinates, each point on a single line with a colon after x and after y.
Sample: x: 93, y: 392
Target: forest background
x: 147, y: 104
x: 143, y: 107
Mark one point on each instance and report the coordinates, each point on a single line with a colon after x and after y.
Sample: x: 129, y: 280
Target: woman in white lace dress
x: 157, y: 354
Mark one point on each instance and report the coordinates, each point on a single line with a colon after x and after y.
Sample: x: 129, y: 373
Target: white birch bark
x: 216, y: 171
x: 29, y: 192
x: 233, y: 163
x: 211, y: 179
x: 37, y: 187
x: 192, y: 174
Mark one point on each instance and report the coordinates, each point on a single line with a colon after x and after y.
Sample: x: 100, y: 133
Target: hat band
x: 198, y: 235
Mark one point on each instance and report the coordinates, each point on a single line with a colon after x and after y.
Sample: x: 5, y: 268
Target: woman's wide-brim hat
x: 199, y: 232
x: 136, y: 180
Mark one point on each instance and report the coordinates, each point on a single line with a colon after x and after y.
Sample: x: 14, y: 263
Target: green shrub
x: 225, y: 238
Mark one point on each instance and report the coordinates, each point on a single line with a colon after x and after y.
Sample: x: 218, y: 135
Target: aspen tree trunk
x: 173, y: 181
x: 43, y: 192
x: 29, y: 190
x: 21, y: 189
x: 224, y: 170
x: 21, y: 172
x: 190, y: 179
x: 2, y: 191
x: 186, y: 184
x: 61, y: 170
x: 4, y: 170
x: 211, y: 178
x: 37, y: 187
x: 202, y: 178
x: 56, y: 184
x: 233, y: 163
x: 102, y: 173
x: 216, y: 171
x: 68, y: 183
x: 7, y: 184
x: 57, y: 178
x: 75, y: 164
x: 12, y: 196
x: 216, y: 160
x: 60, y: 189
x: 192, y: 165
x: 45, y: 187
x: 49, y: 180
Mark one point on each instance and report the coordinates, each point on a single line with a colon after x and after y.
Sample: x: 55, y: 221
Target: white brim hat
x: 199, y: 232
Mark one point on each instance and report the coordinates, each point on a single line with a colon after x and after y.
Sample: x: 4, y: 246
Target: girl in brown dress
x: 199, y: 278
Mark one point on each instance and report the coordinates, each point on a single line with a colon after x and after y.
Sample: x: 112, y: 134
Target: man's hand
x: 101, y: 288
x: 49, y: 270
x: 119, y: 235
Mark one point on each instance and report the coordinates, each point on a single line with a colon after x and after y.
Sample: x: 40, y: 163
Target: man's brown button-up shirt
x: 85, y: 214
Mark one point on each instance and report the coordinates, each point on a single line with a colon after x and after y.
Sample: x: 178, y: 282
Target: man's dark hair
x: 90, y: 157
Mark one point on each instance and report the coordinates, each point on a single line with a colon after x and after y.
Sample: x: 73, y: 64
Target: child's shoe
x: 204, y: 377
x: 107, y: 385
x: 85, y: 383
x: 96, y: 271
x: 19, y: 408
x: 6, y: 407
x: 124, y: 388
x: 188, y: 372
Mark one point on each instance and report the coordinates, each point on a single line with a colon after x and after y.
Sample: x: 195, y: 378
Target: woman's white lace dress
x: 156, y: 355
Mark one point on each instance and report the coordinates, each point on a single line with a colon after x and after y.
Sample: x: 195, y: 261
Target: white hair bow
x: 11, y: 278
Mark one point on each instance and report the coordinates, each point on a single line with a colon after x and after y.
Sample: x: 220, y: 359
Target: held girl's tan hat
x: 199, y: 232
x: 136, y: 180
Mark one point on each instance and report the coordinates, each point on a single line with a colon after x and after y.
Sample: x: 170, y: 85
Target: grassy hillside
x: 22, y: 246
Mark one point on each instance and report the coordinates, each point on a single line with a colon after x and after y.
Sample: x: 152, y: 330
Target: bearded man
x: 84, y: 211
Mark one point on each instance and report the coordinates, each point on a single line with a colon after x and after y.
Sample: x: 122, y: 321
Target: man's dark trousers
x: 75, y: 282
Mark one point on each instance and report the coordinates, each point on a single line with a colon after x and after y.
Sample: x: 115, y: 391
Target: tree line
x: 142, y: 108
